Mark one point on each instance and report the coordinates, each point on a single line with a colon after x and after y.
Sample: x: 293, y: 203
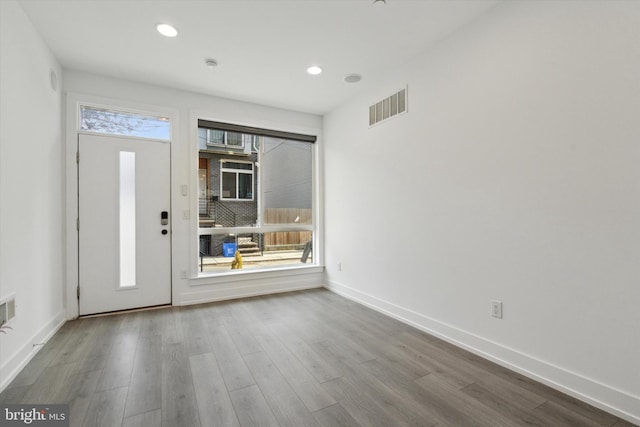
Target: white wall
x: 185, y: 107
x: 514, y: 176
x: 30, y: 189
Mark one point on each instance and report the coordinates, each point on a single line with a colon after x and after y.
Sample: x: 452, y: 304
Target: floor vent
x: 388, y: 107
x: 7, y: 309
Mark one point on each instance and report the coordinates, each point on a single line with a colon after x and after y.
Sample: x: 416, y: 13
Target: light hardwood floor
x: 308, y: 358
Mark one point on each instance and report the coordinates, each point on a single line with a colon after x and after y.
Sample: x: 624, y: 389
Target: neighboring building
x: 229, y: 184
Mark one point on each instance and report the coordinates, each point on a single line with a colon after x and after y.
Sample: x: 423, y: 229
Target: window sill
x: 240, y: 275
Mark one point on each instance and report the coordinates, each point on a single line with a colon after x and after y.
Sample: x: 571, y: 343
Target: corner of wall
x: 10, y: 369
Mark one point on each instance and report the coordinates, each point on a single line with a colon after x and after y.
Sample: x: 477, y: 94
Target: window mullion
x: 237, y: 185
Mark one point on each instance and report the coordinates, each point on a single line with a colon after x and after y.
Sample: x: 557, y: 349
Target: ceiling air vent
x: 388, y: 107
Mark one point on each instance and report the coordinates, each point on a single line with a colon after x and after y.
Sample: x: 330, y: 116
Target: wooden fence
x: 287, y: 216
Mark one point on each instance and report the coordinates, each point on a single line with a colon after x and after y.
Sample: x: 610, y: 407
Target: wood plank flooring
x: 309, y: 358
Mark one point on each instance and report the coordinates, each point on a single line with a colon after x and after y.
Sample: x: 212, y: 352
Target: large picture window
x: 254, y: 198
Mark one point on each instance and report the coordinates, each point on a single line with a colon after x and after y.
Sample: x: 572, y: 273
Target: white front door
x: 124, y: 247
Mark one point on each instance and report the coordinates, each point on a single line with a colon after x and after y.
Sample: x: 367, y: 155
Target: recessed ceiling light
x: 167, y: 30
x: 379, y: 3
x: 352, y: 78
x: 314, y: 70
x: 211, y: 63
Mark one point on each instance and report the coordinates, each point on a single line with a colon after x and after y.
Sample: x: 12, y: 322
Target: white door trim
x: 72, y: 103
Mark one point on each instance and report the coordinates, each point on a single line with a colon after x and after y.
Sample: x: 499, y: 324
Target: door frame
x: 70, y: 232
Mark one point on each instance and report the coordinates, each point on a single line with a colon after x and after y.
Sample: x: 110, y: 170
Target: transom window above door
x: 122, y: 123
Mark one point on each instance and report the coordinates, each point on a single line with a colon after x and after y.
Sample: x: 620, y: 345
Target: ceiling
x: 262, y: 47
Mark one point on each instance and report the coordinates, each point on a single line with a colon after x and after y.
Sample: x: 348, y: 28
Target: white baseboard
x: 248, y: 289
x: 619, y: 403
x: 27, y: 351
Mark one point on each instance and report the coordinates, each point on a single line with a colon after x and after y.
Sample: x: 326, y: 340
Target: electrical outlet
x: 183, y: 274
x: 496, y: 309
x: 186, y: 214
x: 340, y: 266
